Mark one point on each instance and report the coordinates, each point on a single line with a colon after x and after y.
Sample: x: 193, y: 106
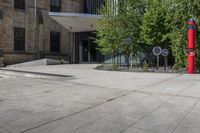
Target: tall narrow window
x: 55, y: 41
x: 19, y: 4
x: 1, y: 13
x: 19, y: 39
x: 55, y: 6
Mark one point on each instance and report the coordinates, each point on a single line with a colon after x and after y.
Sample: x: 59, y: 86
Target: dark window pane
x: 19, y: 4
x: 1, y: 13
x: 19, y: 39
x: 93, y: 6
x: 55, y: 41
x: 55, y: 5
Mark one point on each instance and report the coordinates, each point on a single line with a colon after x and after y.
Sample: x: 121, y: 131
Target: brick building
x: 24, y: 38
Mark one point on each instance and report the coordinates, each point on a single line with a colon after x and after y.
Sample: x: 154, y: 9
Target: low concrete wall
x: 17, y: 58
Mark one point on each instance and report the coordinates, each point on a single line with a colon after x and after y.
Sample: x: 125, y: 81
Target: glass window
x: 55, y: 6
x: 1, y: 13
x: 55, y: 41
x: 19, y: 39
x: 93, y: 6
x: 19, y: 4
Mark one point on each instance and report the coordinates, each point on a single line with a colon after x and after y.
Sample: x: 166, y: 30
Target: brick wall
x: 25, y: 19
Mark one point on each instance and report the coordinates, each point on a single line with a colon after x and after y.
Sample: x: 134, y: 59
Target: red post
x: 191, y: 46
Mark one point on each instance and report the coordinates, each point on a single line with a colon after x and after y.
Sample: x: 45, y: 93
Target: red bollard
x: 191, y: 46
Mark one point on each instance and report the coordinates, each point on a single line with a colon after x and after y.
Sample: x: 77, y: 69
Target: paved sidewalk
x: 92, y: 101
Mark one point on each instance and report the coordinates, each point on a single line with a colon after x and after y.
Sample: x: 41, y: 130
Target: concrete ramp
x: 41, y: 62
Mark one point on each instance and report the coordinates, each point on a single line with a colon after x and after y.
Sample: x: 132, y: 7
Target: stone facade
x: 25, y: 19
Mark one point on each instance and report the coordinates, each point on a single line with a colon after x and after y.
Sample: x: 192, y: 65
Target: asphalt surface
x: 92, y: 101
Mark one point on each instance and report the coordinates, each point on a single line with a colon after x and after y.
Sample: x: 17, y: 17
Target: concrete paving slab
x: 98, y: 101
x: 173, y: 86
x: 191, y: 123
x: 192, y: 91
x: 86, y: 75
x: 136, y: 130
x: 187, y: 129
x: 67, y: 125
x: 2, y: 130
x: 144, y: 107
x: 101, y: 126
x: 168, y: 116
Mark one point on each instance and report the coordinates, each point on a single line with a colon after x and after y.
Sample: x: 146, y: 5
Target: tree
x: 179, y: 12
x: 154, y: 32
x: 119, y: 21
x: 157, y: 22
x: 165, y: 24
x: 107, y: 34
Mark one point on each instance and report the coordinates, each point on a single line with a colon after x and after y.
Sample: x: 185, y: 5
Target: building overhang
x: 75, y: 22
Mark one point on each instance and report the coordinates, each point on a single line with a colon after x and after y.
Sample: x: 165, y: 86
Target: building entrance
x: 86, y: 48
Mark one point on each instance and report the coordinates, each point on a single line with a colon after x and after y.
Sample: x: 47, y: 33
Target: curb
x: 32, y: 74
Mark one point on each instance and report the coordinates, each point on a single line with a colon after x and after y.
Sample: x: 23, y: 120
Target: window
x: 55, y: 6
x: 55, y: 41
x: 19, y: 4
x: 93, y: 6
x: 1, y: 13
x: 19, y: 39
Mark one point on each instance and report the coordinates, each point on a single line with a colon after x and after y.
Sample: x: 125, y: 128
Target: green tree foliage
x: 150, y: 23
x: 119, y: 21
x: 154, y: 31
x: 129, y: 21
x: 179, y: 12
x: 165, y: 24
x: 107, y: 34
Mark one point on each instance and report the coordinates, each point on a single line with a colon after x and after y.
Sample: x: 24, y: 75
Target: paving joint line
x: 143, y: 92
x: 177, y: 94
x: 111, y: 99
x: 46, y: 123
x: 195, y: 104
x: 147, y: 86
x: 146, y: 115
x: 152, y: 111
x: 192, y: 84
x: 69, y: 115
x: 103, y: 117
